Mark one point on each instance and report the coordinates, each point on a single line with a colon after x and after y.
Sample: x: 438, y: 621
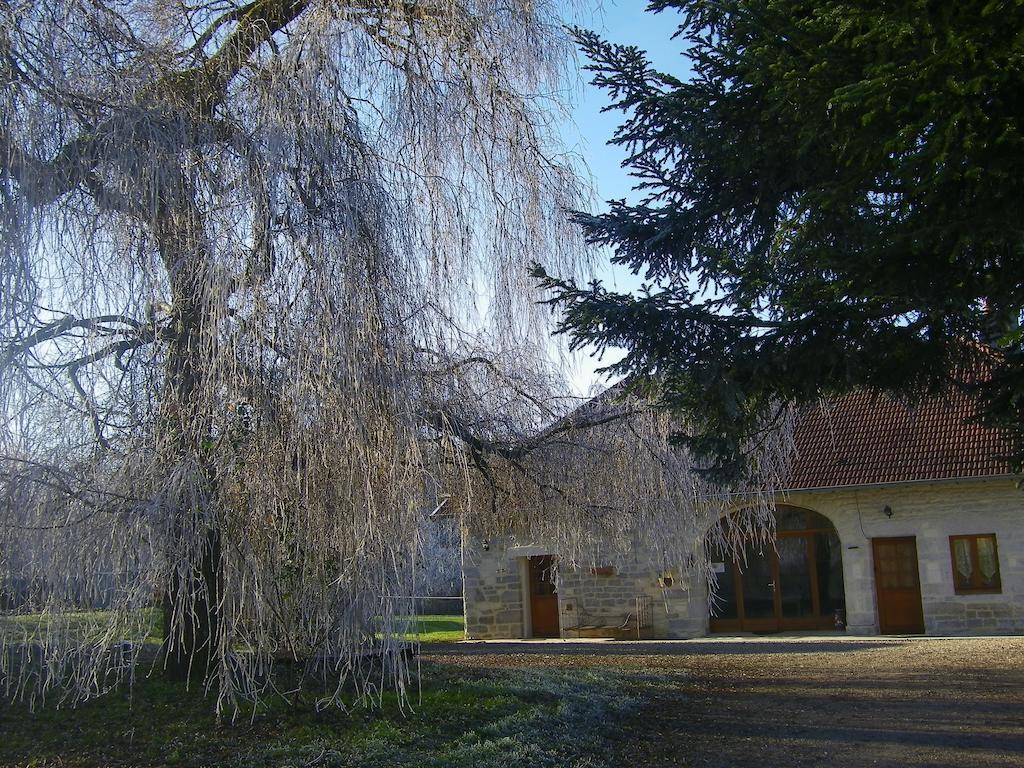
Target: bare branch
x: 60, y: 327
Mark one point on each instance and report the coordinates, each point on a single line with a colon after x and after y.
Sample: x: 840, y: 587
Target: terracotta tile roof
x: 864, y: 439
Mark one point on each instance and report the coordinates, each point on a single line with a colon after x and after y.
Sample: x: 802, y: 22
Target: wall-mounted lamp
x: 887, y: 511
x: 486, y: 545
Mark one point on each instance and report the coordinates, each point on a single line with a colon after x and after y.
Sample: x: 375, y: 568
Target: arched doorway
x: 796, y: 585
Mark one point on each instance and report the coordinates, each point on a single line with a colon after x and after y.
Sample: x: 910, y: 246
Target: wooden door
x: 898, y: 586
x: 543, y: 599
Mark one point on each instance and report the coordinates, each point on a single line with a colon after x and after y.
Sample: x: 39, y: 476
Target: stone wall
x: 587, y: 599
x: 493, y: 589
x: 496, y: 597
x: 932, y: 512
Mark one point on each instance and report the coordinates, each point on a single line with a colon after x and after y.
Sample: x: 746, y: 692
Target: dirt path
x: 804, y: 703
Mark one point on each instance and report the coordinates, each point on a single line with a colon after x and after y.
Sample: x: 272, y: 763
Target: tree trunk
x: 190, y: 650
x: 192, y: 598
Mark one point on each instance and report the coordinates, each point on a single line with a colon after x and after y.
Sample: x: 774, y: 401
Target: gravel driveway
x: 800, y: 701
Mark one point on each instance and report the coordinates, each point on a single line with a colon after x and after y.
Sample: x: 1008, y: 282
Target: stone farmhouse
x: 894, y: 520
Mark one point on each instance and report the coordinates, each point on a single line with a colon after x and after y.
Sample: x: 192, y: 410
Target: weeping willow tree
x: 264, y: 305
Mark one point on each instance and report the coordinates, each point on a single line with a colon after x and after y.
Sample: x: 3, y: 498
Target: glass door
x: 796, y: 587
x: 759, y: 578
x: 795, y: 584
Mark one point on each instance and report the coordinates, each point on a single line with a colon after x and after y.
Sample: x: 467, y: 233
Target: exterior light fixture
x: 887, y: 511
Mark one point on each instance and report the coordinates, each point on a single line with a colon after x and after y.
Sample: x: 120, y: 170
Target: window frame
x: 975, y: 588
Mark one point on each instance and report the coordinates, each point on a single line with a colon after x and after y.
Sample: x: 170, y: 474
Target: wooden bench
x: 637, y: 626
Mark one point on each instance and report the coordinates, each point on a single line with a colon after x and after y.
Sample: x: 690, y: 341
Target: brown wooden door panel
x: 897, y: 586
x: 543, y: 598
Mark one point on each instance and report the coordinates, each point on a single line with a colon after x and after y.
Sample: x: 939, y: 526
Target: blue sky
x: 626, y: 22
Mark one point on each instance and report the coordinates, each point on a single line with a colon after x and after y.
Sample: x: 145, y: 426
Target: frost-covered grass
x: 461, y: 718
x: 83, y: 625
x: 86, y: 624
x: 91, y: 624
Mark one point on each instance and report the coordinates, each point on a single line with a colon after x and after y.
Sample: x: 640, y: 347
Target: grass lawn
x: 459, y: 717
x: 440, y: 629
x: 429, y: 629
x: 455, y: 717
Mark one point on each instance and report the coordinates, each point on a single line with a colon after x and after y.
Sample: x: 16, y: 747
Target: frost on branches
x: 242, y: 353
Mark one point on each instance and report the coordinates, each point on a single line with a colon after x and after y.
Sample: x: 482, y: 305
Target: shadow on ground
x: 759, y: 703
x: 654, y: 648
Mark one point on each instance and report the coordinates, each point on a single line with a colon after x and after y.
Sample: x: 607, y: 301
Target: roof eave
x: 891, y: 483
